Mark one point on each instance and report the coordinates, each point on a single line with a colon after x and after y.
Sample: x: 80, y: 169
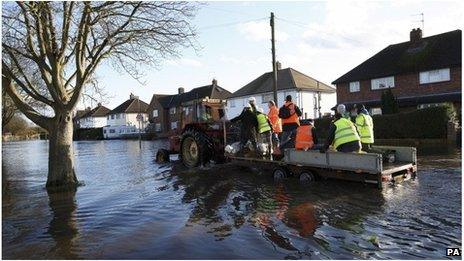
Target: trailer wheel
x: 195, y: 149
x: 307, y: 177
x: 280, y: 173
x: 162, y: 156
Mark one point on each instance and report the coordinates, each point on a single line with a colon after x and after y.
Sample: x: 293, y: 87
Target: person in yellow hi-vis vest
x: 343, y: 135
x: 365, y: 126
x: 264, y: 128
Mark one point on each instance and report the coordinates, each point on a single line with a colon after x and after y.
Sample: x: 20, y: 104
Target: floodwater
x: 133, y: 208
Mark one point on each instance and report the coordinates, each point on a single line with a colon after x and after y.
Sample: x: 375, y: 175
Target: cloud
x: 185, y: 62
x: 260, y: 30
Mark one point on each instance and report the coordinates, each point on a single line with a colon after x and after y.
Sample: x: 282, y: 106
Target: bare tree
x: 8, y: 109
x: 52, y: 49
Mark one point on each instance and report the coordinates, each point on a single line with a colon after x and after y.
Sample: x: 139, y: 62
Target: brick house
x: 422, y: 72
x: 166, y: 113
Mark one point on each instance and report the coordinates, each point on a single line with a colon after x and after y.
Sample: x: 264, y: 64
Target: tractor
x: 201, y: 137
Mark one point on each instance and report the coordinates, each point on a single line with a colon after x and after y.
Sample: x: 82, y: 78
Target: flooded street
x: 131, y: 207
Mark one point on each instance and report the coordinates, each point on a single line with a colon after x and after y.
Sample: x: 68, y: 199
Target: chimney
x: 132, y: 96
x: 214, y: 82
x: 99, y: 104
x: 278, y: 65
x: 87, y: 109
x: 181, y: 90
x: 415, y: 35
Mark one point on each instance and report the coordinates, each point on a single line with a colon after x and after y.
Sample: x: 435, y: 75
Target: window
x: 112, y: 116
x: 112, y: 131
x: 232, y: 103
x: 354, y: 86
x: 117, y: 116
x: 104, y: 131
x: 265, y: 98
x: 440, y: 75
x: 155, y: 113
x: 108, y: 117
x: 382, y: 83
x: 429, y: 105
x: 158, y: 127
x: 172, y: 110
x: 376, y: 111
x: 173, y: 125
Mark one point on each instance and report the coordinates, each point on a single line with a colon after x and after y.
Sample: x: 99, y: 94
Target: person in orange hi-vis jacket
x: 276, y: 123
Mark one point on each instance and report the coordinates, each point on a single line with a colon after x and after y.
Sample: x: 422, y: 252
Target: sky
x: 323, y: 39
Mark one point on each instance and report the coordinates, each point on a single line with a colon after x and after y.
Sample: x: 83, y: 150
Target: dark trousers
x: 353, y: 146
x: 288, y: 139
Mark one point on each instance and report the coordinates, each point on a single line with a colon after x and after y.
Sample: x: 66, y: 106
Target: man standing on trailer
x: 289, y: 113
x: 365, y: 126
x: 248, y: 126
x: 342, y: 133
x: 276, y: 123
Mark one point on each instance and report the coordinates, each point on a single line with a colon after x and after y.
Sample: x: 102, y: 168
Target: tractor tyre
x: 162, y: 156
x: 196, y: 148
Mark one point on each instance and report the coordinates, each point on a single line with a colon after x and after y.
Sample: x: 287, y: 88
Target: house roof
x: 287, y: 78
x: 212, y: 91
x: 433, y: 52
x: 99, y: 111
x: 130, y: 106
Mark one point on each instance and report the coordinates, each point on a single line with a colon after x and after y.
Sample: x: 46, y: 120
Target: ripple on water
x: 132, y: 207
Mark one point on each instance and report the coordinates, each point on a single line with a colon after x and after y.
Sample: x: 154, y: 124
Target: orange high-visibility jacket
x: 273, y: 116
x: 294, y: 117
x: 304, y: 137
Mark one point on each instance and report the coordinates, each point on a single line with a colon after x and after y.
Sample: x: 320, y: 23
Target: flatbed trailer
x: 368, y: 168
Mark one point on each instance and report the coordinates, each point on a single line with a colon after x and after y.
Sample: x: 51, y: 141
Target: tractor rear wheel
x: 195, y: 148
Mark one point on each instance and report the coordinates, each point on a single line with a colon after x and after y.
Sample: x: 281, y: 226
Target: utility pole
x: 274, y: 67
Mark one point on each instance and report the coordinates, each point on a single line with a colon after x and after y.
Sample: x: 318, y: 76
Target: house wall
x: 406, y: 85
x: 127, y: 119
x: 303, y: 99
x: 92, y: 122
x: 232, y: 111
x: 161, y: 118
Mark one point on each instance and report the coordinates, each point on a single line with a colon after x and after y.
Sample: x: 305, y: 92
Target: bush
x: 429, y: 123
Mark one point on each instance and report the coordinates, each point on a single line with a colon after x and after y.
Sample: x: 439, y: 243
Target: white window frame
x: 376, y: 111
x: 265, y: 98
x: 433, y: 76
x: 172, y: 110
x: 355, y: 86
x: 155, y: 113
x: 172, y: 124
x: 383, y: 83
x: 232, y: 103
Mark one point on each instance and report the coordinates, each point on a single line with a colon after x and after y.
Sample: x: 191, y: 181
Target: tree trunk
x: 61, y: 175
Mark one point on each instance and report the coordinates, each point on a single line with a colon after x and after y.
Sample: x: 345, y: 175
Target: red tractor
x: 201, y: 137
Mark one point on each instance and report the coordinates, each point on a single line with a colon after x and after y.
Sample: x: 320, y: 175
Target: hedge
x: 429, y: 123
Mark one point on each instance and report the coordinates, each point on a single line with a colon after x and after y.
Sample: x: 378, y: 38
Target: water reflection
x: 63, y: 226
x: 224, y: 201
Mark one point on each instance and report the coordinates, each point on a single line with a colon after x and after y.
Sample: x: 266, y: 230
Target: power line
x: 230, y: 24
x: 228, y: 11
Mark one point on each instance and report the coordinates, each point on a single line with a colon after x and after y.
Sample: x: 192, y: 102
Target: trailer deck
x: 360, y: 167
